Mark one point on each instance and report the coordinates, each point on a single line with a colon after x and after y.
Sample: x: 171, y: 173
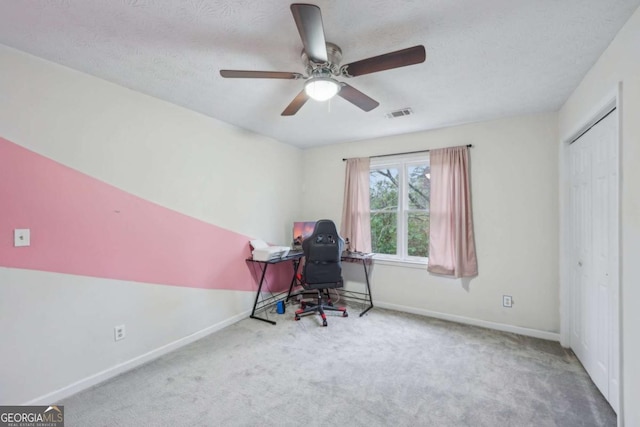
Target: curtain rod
x: 406, y: 152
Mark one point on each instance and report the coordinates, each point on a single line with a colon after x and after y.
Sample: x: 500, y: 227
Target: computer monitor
x: 301, y: 230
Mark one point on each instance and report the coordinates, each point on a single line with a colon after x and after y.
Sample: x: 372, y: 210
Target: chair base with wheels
x: 307, y: 307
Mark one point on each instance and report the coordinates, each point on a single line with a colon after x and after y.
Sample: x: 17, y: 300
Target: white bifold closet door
x: 593, y: 226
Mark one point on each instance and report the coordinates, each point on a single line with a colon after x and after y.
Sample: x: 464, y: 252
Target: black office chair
x: 322, y: 269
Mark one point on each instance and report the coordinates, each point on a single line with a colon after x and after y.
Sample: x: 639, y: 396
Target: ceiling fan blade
x: 357, y: 98
x: 309, y: 22
x: 400, y: 58
x: 296, y: 104
x: 241, y: 74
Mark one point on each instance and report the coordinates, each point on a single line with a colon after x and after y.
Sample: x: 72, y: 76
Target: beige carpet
x: 386, y: 368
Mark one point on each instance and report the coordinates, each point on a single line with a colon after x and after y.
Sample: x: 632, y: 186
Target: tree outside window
x: 399, y: 190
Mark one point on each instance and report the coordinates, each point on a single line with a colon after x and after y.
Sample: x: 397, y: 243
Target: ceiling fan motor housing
x: 331, y: 67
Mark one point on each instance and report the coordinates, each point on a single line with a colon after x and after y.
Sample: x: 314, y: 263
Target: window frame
x: 402, y: 163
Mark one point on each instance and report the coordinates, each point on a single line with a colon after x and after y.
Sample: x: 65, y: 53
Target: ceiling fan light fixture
x: 321, y: 88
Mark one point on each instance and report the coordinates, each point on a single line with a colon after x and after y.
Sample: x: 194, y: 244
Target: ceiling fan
x: 322, y: 63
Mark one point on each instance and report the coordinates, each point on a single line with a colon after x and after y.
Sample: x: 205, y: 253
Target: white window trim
x: 380, y: 259
x: 402, y: 162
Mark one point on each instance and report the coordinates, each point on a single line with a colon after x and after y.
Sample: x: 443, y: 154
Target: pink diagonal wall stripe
x: 80, y: 225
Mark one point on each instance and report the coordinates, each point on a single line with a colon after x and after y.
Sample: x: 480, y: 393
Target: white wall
x: 514, y: 164
x: 161, y: 152
x: 620, y: 63
x: 57, y: 328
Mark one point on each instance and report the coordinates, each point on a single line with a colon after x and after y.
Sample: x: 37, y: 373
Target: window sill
x: 421, y: 265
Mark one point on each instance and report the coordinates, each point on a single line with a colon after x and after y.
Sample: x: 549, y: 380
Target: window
x: 399, y: 189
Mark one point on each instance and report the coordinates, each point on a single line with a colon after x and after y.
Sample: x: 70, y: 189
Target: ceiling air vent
x: 399, y: 113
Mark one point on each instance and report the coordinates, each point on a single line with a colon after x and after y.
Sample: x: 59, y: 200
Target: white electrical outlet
x: 119, y: 333
x: 21, y: 237
x: 507, y: 301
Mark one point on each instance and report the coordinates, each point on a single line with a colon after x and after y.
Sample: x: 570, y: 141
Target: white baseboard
x: 551, y: 336
x: 99, y: 377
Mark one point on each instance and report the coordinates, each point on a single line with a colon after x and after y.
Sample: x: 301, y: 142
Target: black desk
x: 364, y: 297
x: 261, y: 304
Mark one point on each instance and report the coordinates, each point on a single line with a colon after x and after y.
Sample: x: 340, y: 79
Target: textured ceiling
x: 485, y: 59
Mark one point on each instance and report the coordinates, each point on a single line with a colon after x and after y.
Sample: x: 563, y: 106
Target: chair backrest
x: 322, y: 252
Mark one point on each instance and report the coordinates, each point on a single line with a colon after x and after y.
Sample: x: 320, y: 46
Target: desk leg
x: 296, y: 264
x: 366, y: 275
x: 255, y: 303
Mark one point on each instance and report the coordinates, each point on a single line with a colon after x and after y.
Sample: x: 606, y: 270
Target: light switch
x: 21, y: 237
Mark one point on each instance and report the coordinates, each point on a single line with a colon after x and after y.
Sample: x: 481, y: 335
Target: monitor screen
x: 302, y: 230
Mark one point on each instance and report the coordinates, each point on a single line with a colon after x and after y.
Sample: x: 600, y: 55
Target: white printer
x: 263, y: 252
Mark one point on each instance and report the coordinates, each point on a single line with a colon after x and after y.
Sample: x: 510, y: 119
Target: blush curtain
x: 452, y: 250
x: 356, y: 223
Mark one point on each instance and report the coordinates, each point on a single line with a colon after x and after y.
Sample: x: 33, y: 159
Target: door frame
x: 612, y: 100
